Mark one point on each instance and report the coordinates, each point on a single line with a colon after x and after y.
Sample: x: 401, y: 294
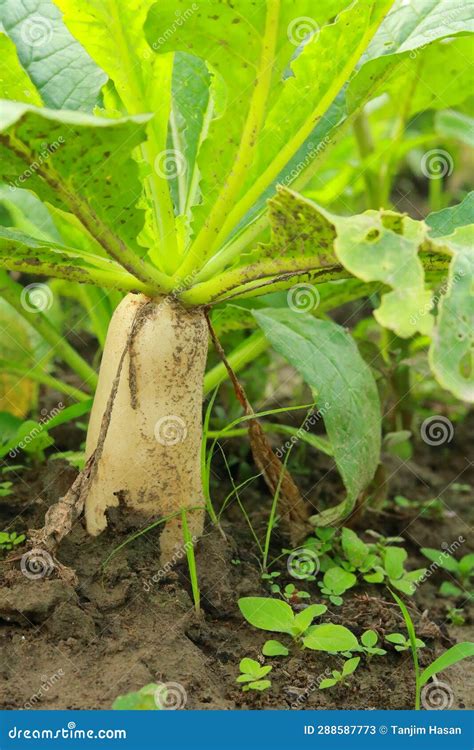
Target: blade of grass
x: 414, y: 650
x: 189, y: 547
x: 272, y: 517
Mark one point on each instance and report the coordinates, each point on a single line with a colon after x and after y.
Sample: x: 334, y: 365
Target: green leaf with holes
x: 452, y: 348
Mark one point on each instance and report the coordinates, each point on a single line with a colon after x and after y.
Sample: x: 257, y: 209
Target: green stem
x: 264, y: 273
x: 107, y: 279
x: 271, y: 520
x: 210, y: 235
x: 12, y: 292
x: 233, y: 249
x: 291, y: 147
x: 365, y: 145
x: 14, y: 368
x: 388, y: 168
x: 241, y: 356
x: 136, y: 102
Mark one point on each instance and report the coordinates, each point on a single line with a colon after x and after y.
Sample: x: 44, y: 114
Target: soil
x: 128, y: 624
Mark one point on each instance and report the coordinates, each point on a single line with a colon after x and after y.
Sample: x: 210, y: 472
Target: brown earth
x: 79, y: 649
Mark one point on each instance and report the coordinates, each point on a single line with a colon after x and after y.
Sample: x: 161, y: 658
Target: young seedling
x: 335, y: 583
x: 331, y: 638
x: 293, y: 595
x: 10, y: 540
x: 393, y: 570
x: 277, y: 616
x: 141, y: 700
x: 462, y: 570
x: 338, y: 678
x: 455, y: 615
x: 5, y: 489
x: 252, y: 674
x: 274, y: 648
x: 369, y: 641
x: 431, y: 508
x: 402, y: 643
x: 452, y: 656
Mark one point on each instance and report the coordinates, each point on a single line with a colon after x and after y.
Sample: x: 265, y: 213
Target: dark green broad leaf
x: 191, y: 115
x: 60, y: 68
x: 76, y: 162
x: 443, y: 223
x: 329, y: 361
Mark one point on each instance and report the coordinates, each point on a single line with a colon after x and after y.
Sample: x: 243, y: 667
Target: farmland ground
x: 119, y: 630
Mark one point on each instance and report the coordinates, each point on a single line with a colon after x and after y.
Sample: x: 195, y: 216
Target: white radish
x: 149, y: 460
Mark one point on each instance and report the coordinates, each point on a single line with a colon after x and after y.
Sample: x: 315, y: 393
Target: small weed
x: 338, y: 678
x: 252, y: 674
